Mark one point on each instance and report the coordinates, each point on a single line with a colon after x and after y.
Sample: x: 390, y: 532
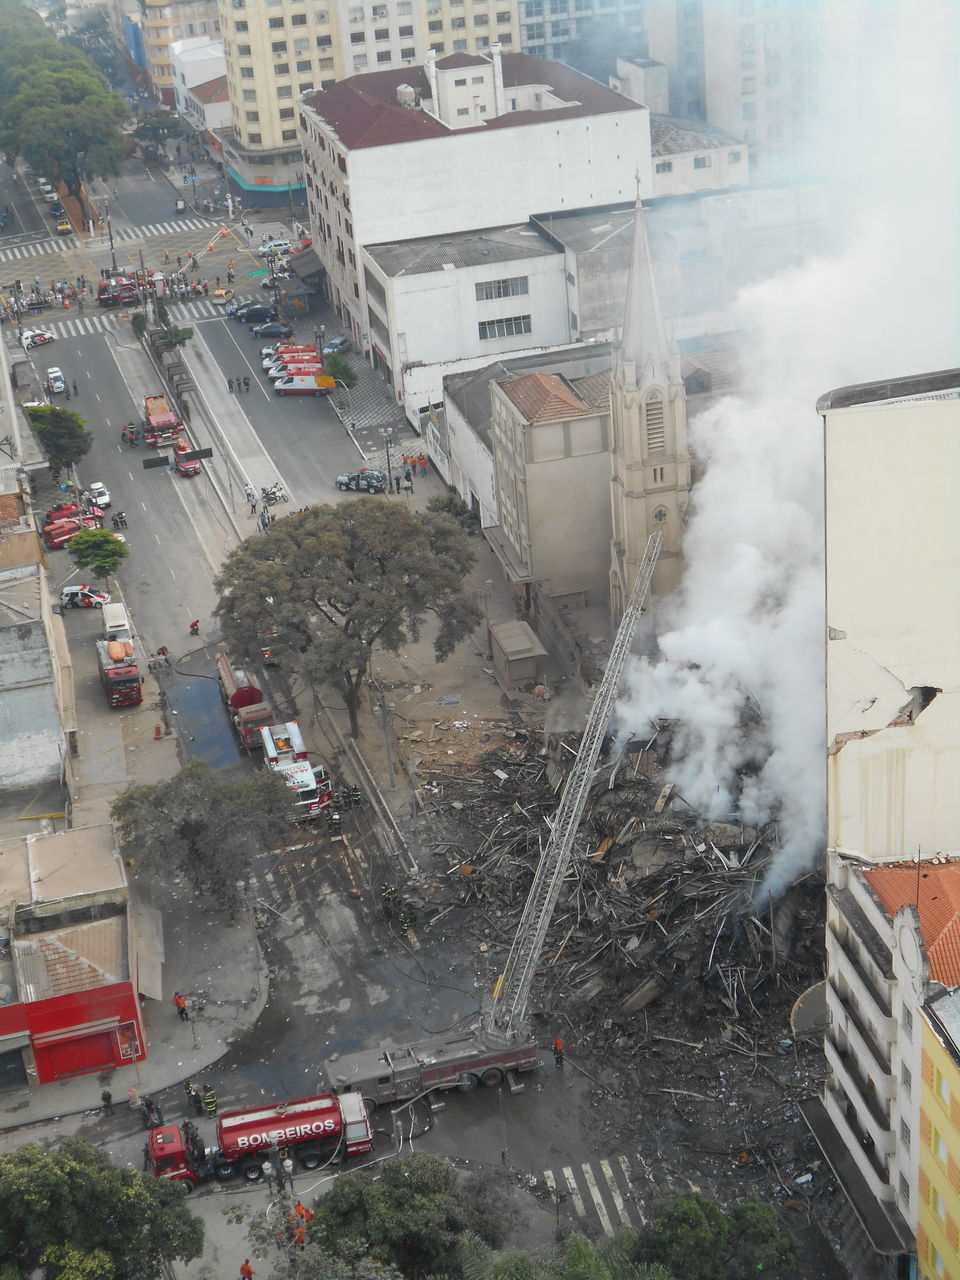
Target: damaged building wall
x: 893, y: 618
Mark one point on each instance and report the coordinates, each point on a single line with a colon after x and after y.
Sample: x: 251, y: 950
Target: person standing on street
x: 210, y: 1105
x: 246, y: 384
x: 181, y: 1007
x: 106, y: 1102
x: 230, y: 385
x: 558, y: 1052
x: 246, y: 1271
x: 193, y: 1097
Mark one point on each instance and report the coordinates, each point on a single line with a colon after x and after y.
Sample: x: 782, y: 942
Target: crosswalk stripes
x: 97, y: 321
x: 60, y: 244
x: 600, y: 1192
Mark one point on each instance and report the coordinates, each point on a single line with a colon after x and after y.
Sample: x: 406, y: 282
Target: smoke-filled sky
x: 748, y: 621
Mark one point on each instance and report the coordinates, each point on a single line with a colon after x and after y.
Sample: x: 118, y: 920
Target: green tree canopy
x: 71, y: 1205
x: 206, y: 830
x: 98, y: 550
x: 337, y: 366
x: 697, y: 1239
x: 156, y: 126
x: 411, y: 1214
x: 56, y: 107
x: 63, y: 436
x: 335, y: 581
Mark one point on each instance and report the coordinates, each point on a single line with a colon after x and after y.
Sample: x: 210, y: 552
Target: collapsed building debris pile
x: 656, y: 901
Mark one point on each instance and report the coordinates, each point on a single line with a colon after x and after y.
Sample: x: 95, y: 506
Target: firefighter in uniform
x: 356, y: 797
x: 210, y: 1105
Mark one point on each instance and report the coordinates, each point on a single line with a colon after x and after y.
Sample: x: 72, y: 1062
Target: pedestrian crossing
x: 65, y: 244
x: 608, y: 1193
x: 98, y: 321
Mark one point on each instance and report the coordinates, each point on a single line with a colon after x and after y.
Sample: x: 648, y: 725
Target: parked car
x: 83, y: 597
x: 271, y: 280
x: 36, y: 338
x: 338, y: 346
x: 64, y: 227
x: 99, y: 494
x: 304, y: 384
x: 237, y: 310
x: 363, y: 482
x: 255, y: 313
x: 272, y: 329
x: 274, y: 246
x: 64, y: 510
x: 220, y: 297
x: 56, y: 381
x: 57, y: 210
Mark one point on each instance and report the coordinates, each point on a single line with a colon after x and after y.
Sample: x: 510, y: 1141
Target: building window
x: 382, y: 33
x: 437, y: 48
x: 246, y: 73
x: 241, y: 27
x: 355, y: 15
x: 408, y: 54
x: 358, y: 37
x: 279, y: 46
x: 660, y: 515
x: 459, y: 84
x: 664, y: 166
x: 535, y: 31
x: 749, y: 111
x: 937, y: 1262
x: 305, y: 65
x: 378, y: 11
x: 243, y: 51
x: 511, y: 287
x: 320, y: 16
x: 281, y: 69
x: 359, y: 61
x: 504, y: 16
x: 275, y: 24
x: 506, y: 327
x: 305, y: 86
x: 434, y: 26
x: 384, y: 56
x: 906, y: 1078
x: 288, y: 135
x: 324, y: 42
x: 463, y: 111
x: 940, y: 1147
x: 301, y: 45
x: 481, y: 19
x: 253, y: 139
x: 458, y: 23
x: 734, y: 157
x: 403, y: 8
x: 249, y: 95
x: 701, y: 162
x: 286, y: 113
x: 533, y: 9
x: 285, y: 91
x: 656, y: 430
x: 939, y: 1208
x: 906, y: 1019
x: 298, y: 20
x: 405, y: 33
x: 252, y: 116
x: 905, y: 1135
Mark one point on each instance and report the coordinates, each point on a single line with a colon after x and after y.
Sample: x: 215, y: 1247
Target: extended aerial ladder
x: 512, y: 990
x: 501, y: 1045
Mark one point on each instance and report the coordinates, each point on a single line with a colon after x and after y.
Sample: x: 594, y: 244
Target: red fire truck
x: 58, y: 533
x: 160, y: 424
x: 317, y: 1131
x: 185, y: 466
x: 395, y: 1072
x: 284, y: 750
x: 249, y: 710
x: 118, y: 292
x: 119, y: 673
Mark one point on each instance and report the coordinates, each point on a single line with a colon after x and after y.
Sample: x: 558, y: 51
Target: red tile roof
x: 363, y: 110
x: 934, y: 888
x: 544, y: 397
x: 211, y: 90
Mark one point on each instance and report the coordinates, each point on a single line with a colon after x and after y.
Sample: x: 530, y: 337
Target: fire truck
x: 160, y: 424
x: 317, y: 1131
x: 119, y: 673
x: 249, y: 710
x: 185, y: 466
x: 118, y: 292
x: 395, y: 1073
x: 58, y: 533
x: 284, y: 750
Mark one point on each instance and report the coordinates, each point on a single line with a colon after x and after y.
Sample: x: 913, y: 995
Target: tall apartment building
x: 549, y: 27
x: 164, y: 23
x: 893, y: 781
x: 464, y: 143
x: 748, y: 67
x: 938, y: 1215
x: 276, y: 52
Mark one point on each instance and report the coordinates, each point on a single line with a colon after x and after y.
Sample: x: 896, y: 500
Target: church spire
x: 644, y: 337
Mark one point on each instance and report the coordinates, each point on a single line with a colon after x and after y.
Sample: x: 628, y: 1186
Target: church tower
x: 651, y: 466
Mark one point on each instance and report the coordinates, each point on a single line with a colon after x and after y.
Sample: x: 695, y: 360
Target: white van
x: 116, y: 625
x: 313, y: 384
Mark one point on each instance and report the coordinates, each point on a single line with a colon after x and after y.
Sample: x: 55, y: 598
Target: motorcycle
x: 276, y: 493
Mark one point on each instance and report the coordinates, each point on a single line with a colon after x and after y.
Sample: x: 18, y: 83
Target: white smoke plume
x: 747, y: 622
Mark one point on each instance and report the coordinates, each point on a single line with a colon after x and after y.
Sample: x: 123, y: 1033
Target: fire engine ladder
x: 513, y: 987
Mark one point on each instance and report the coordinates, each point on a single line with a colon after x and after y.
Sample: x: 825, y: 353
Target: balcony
x: 842, y: 959
x: 888, y: 1233
x: 859, y: 1142
x: 845, y: 1017
x: 848, y: 1075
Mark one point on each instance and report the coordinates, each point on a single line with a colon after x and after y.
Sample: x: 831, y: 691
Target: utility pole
x: 113, y: 256
x: 385, y: 711
x: 387, y: 434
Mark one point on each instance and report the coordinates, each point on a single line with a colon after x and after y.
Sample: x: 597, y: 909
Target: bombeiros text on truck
x: 317, y: 1131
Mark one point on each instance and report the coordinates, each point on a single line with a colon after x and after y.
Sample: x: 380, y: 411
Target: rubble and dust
x: 660, y: 972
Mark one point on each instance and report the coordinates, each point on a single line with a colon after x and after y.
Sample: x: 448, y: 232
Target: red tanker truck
x: 314, y: 1130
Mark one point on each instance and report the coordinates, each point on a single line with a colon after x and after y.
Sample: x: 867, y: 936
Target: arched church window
x: 660, y: 515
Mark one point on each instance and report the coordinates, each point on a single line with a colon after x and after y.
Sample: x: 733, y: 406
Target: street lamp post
x: 295, y: 181
x: 113, y: 255
x: 387, y: 435
x: 347, y: 390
